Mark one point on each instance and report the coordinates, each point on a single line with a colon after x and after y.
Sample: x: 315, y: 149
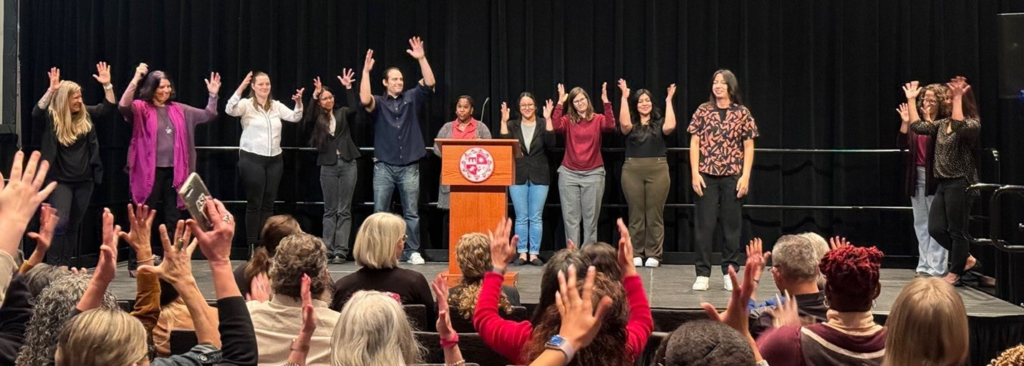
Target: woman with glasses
x: 582, y: 175
x: 533, y: 175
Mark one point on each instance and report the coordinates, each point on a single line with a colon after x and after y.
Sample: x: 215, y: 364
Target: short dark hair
x: 704, y: 342
x: 388, y: 71
x: 151, y: 83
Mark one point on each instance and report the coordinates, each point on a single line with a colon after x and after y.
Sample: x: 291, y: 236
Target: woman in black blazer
x: 533, y: 176
x: 332, y: 138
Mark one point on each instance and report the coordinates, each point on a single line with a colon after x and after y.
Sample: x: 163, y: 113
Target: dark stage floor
x: 667, y: 287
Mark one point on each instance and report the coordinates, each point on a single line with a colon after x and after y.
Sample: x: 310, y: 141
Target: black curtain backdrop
x: 820, y: 74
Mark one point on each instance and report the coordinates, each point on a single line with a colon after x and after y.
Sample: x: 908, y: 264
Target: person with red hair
x: 850, y: 336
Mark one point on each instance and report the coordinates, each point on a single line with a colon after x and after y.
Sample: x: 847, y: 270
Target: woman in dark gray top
x: 955, y: 139
x: 533, y: 175
x: 332, y: 138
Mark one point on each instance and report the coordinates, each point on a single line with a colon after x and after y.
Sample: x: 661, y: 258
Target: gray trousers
x: 580, y: 194
x: 338, y: 183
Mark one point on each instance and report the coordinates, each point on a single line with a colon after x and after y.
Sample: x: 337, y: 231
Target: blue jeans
x: 338, y: 183
x: 528, y: 200
x: 386, y: 178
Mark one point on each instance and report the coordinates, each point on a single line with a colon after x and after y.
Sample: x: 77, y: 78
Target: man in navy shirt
x: 398, y: 143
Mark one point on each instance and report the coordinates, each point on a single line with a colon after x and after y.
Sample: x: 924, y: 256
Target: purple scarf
x: 142, y: 150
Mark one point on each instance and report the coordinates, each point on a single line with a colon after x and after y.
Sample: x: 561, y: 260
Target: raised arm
x: 503, y: 132
x: 309, y: 116
x: 125, y: 105
x: 105, y: 269
x: 449, y: 338
x: 195, y: 115
x: 959, y: 123
x: 903, y: 111
x: 503, y: 336
x: 365, y: 95
x: 549, y: 108
x: 670, y: 111
x: 293, y: 115
x: 608, y: 124
x: 102, y: 76
x: 346, y: 78
x: 147, y: 297
x: 416, y: 51
x: 234, y: 108
x: 19, y: 199
x: 39, y: 109
x: 300, y: 345
x: 911, y: 90
x: 625, y: 123
x: 556, y: 118
x: 47, y: 223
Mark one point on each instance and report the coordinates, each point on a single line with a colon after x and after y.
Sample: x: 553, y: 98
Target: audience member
x: 795, y: 273
x: 276, y: 227
x: 927, y: 326
x: 474, y: 256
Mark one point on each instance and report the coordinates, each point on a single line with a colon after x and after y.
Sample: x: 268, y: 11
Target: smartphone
x: 195, y: 195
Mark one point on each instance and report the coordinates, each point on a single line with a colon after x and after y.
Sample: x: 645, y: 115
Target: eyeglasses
x: 526, y: 106
x: 930, y: 101
x: 579, y: 101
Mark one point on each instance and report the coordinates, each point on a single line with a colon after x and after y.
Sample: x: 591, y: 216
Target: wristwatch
x: 559, y: 343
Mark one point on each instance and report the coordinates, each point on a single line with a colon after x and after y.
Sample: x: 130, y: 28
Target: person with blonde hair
x: 927, y: 326
x: 373, y: 330
x: 277, y: 321
x: 71, y: 145
x: 474, y: 256
x: 379, y: 244
x: 1011, y: 357
x: 101, y: 337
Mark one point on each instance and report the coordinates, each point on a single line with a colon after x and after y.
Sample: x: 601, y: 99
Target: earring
x: 827, y: 304
x: 874, y: 303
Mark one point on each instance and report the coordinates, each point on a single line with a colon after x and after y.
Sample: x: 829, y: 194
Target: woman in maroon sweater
x: 581, y: 176
x: 518, y: 342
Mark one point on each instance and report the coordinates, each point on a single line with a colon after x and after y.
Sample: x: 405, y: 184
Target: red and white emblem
x: 476, y: 165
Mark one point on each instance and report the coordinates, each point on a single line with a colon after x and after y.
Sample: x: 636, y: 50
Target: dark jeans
x: 71, y: 200
x: 261, y: 176
x: 947, y: 221
x: 719, y: 203
x: 338, y: 183
x: 163, y: 199
x: 386, y: 178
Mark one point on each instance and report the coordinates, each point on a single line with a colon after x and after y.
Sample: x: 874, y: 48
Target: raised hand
x: 505, y: 113
x: 904, y: 112
x: 671, y: 93
x: 140, y: 71
x: 346, y: 78
x: 107, y: 265
x: 837, y: 242
x: 213, y: 83
x: 624, y: 88
x: 416, y: 48
x: 958, y: 86
x: 308, y: 313
x: 48, y: 220
x: 259, y: 288
x: 444, y: 320
x: 786, y: 312
x: 317, y: 87
x: 604, y: 93
x: 756, y: 257
x: 368, y: 63
x: 140, y: 222
x: 297, y: 97
x: 549, y: 106
x: 625, y: 250
x: 244, y: 84
x: 23, y: 194
x: 503, y: 250
x: 54, y: 76
x: 580, y: 321
x: 177, y: 264
x: 911, y: 90
x: 215, y: 243
x: 561, y: 93
x: 102, y: 74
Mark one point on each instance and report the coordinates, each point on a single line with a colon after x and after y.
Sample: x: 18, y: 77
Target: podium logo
x: 476, y: 165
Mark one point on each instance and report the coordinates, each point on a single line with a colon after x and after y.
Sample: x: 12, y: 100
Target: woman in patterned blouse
x: 721, y: 157
x: 955, y: 138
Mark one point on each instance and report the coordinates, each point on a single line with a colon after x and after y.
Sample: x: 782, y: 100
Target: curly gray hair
x: 52, y: 310
x: 299, y: 254
x: 41, y: 276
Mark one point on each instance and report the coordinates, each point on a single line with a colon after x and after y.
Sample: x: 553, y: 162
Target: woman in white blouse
x: 259, y: 159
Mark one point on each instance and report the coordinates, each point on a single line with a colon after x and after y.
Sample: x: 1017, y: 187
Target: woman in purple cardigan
x: 162, y: 151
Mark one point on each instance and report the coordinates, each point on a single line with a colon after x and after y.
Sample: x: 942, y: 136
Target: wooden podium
x: 479, y: 172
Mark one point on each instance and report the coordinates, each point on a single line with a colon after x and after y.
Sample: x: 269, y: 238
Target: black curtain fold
x: 815, y: 74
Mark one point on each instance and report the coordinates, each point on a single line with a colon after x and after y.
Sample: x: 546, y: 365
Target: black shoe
x: 537, y: 262
x: 338, y: 260
x: 132, y: 272
x: 519, y: 261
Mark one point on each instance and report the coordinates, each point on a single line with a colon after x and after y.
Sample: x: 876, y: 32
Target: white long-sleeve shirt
x: 261, y: 130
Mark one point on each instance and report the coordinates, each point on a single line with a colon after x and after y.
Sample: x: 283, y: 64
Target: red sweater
x: 583, y: 139
x: 508, y: 337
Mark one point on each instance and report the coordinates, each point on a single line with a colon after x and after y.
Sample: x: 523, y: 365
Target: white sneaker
x: 637, y: 261
x: 728, y: 283
x: 652, y: 262
x: 416, y: 258
x: 701, y: 284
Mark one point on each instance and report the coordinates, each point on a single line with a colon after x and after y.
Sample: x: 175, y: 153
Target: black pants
x: 164, y: 199
x: 947, y: 221
x: 71, y: 200
x: 261, y: 176
x: 718, y: 203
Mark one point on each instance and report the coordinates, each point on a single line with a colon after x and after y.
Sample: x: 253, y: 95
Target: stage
x: 995, y: 324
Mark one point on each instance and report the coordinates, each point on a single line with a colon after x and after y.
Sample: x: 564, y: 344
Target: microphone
x: 483, y: 109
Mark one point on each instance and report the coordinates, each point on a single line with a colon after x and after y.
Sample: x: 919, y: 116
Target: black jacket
x: 339, y: 145
x: 533, y: 165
